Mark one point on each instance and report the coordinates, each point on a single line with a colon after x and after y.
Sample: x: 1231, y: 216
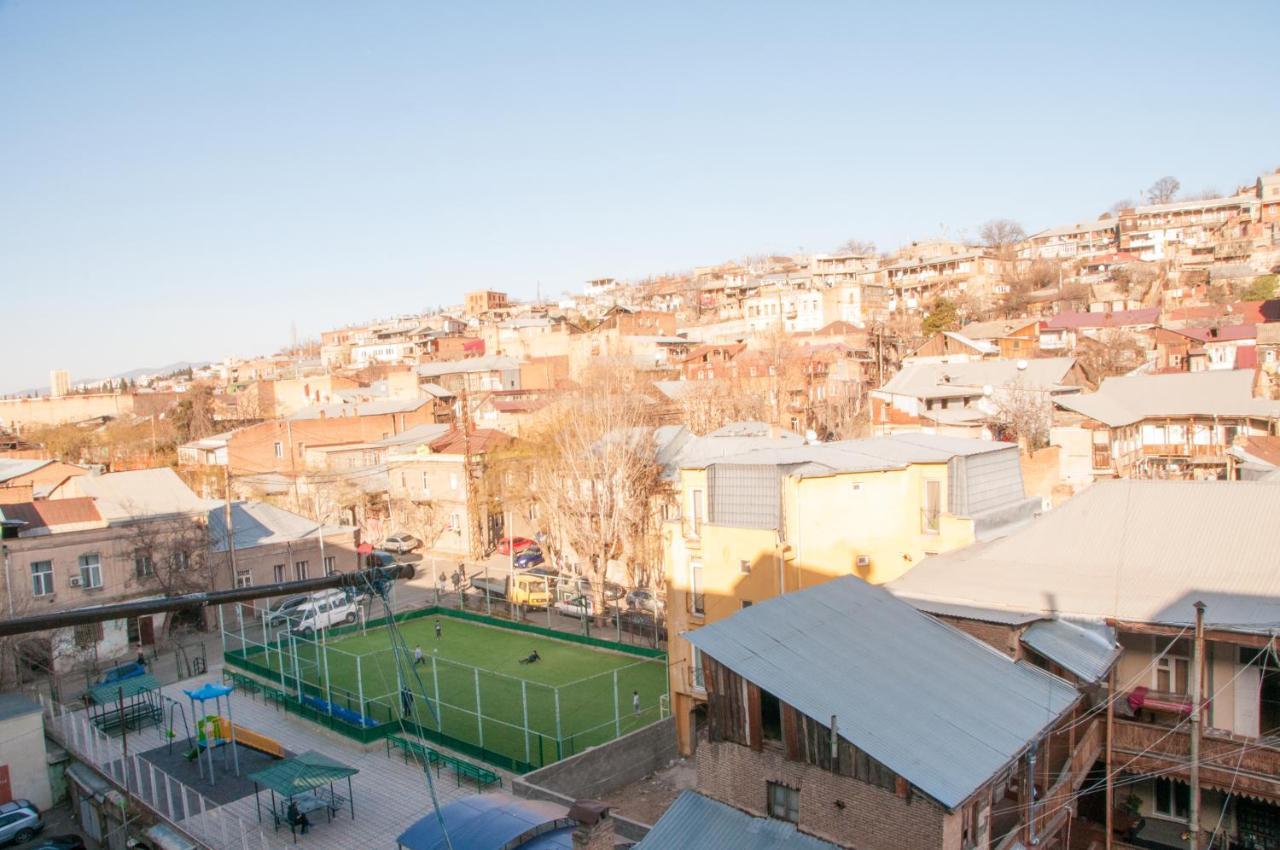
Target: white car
x: 573, y: 604
x: 322, y: 610
x: 401, y: 543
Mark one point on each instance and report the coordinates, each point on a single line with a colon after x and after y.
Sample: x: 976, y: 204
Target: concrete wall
x: 24, y: 754
x: 598, y: 772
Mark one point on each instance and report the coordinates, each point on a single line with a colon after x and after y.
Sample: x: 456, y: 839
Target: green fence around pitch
x: 543, y: 746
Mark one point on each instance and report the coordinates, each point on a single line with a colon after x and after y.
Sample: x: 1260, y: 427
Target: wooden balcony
x: 1057, y: 803
x: 1151, y: 748
x: 1183, y: 450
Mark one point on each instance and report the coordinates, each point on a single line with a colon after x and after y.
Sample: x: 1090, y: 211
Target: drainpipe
x: 1031, y: 791
x: 8, y: 590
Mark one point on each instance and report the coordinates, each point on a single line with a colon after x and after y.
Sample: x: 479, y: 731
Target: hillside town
x: 960, y: 545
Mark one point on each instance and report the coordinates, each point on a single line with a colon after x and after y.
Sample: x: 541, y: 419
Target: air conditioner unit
x: 863, y: 561
x: 75, y: 581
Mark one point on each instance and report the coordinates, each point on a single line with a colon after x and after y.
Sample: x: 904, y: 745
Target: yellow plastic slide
x: 251, y: 739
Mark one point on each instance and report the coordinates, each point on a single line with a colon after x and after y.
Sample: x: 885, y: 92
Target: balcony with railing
x: 1249, y: 765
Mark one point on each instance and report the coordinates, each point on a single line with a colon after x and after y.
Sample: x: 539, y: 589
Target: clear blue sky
x: 185, y: 180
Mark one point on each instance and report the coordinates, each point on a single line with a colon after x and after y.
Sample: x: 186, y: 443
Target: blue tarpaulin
x: 492, y: 821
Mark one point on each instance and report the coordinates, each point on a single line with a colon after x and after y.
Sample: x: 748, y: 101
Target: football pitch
x: 471, y: 686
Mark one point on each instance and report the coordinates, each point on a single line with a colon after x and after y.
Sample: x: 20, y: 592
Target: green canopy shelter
x: 128, y: 703
x: 302, y: 775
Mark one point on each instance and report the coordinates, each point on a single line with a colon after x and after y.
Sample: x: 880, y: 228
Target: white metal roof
x: 1132, y: 398
x: 1140, y: 551
x: 1081, y: 650
x: 940, y: 708
x: 945, y: 380
x: 140, y: 493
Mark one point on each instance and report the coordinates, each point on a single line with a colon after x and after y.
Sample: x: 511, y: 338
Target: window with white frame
x: 279, y: 449
x: 179, y: 561
x: 697, y: 600
x: 426, y: 483
x: 91, y: 570
x: 453, y: 481
x: 244, y: 578
x: 1172, y: 672
x: 695, y: 511
x: 277, y: 573
x: 1173, y: 798
x: 300, y: 570
x: 41, y: 578
x: 330, y: 565
x: 455, y: 521
x: 143, y: 566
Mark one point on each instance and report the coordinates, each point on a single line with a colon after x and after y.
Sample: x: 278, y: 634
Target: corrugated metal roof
x: 866, y: 455
x: 140, y: 493
x: 48, y: 516
x: 1142, y: 551
x: 1082, y: 651
x: 1109, y: 319
x: 947, y: 380
x: 490, y: 363
x: 10, y: 468
x: 378, y: 407
x: 934, y: 705
x: 260, y: 524
x: 1131, y: 398
x: 695, y: 822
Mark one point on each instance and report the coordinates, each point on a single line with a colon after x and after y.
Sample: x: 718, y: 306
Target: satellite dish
x: 1022, y: 364
x: 987, y: 389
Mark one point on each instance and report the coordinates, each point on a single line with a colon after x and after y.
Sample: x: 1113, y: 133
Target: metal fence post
x: 524, y: 702
x: 222, y: 630
x: 479, y: 715
x: 328, y: 695
x: 559, y: 736
x: 435, y: 686
x: 617, y: 710
x: 360, y: 685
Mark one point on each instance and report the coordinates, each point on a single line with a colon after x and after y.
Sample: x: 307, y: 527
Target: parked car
x: 582, y: 585
x: 281, y: 612
x: 574, y: 604
x: 380, y: 558
x: 59, y: 842
x: 638, y: 621
x: 323, y: 610
x: 518, y: 544
x: 646, y: 600
x: 121, y: 672
x: 19, y: 821
x: 401, y: 542
x: 530, y: 557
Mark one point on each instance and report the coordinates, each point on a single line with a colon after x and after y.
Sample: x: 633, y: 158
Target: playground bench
x: 483, y: 777
x: 273, y: 695
x: 246, y: 683
x: 134, y: 716
x: 415, y: 748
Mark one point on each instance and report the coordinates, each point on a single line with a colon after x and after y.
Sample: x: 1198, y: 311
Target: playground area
x: 526, y: 697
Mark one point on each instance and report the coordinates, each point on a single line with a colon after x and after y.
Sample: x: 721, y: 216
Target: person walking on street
x: 462, y: 571
x: 142, y: 658
x: 635, y: 702
x: 417, y: 655
x: 439, y: 631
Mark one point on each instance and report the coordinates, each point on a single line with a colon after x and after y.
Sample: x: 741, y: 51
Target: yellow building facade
x: 768, y: 522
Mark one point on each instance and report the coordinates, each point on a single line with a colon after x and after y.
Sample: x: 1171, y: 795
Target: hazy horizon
x: 187, y: 182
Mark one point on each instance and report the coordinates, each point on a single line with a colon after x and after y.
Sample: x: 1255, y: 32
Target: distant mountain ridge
x: 130, y: 375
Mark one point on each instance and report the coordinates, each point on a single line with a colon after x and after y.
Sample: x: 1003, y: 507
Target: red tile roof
x: 1226, y: 333
x: 1264, y: 448
x: 51, y: 513
x: 482, y: 440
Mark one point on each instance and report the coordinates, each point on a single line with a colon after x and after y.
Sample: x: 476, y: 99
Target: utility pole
x: 231, y: 530
x: 474, y: 528
x: 1197, y: 674
x: 1111, y: 791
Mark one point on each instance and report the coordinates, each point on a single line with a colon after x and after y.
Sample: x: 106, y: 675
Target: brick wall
x: 871, y: 818
x: 1002, y: 637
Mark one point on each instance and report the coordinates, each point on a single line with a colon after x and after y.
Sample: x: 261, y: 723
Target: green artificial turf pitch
x: 586, y: 707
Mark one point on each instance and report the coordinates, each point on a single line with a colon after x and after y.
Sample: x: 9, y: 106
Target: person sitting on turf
x: 531, y: 657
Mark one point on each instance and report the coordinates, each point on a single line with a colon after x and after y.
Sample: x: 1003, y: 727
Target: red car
x: 506, y: 544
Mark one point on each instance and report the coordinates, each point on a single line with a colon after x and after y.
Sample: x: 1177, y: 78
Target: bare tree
x: 1122, y: 205
x: 425, y: 520
x: 706, y: 405
x: 1023, y: 413
x: 1037, y: 275
x: 1163, y: 190
x: 171, y: 557
x: 1114, y: 352
x: 1001, y: 233
x: 856, y: 246
x: 593, y: 471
